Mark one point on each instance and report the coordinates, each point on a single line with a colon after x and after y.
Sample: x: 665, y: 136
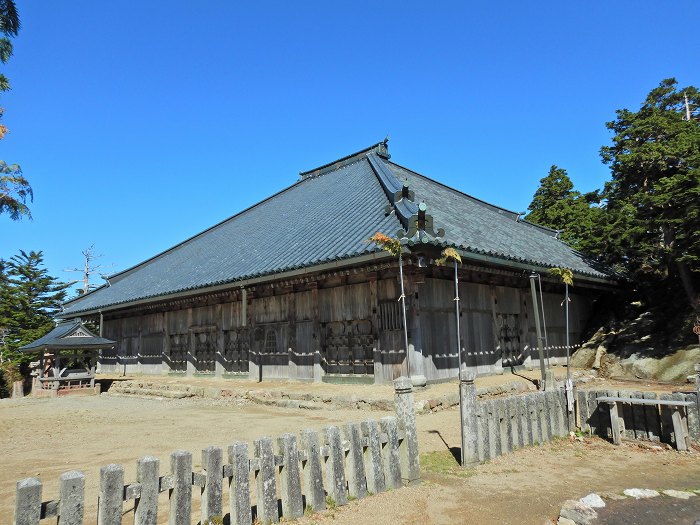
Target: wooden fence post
x: 111, y: 495
x: 290, y: 478
x: 239, y: 484
x: 71, y: 506
x: 28, y: 502
x: 146, y: 505
x: 181, y: 491
x: 266, y: 484
x: 212, y: 462
x: 312, y: 469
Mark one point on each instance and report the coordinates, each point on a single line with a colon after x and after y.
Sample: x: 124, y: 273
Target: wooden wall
x: 341, y: 326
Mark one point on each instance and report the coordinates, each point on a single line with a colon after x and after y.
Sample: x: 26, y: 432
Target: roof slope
x: 327, y: 216
x: 68, y: 334
x: 479, y: 227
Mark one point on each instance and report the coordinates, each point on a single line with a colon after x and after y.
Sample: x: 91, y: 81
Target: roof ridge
x: 380, y: 148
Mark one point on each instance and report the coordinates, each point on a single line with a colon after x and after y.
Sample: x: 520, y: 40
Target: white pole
x: 459, y: 345
x: 568, y: 348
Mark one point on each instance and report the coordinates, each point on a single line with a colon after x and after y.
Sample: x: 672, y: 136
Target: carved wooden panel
x: 235, y: 358
x: 349, y: 347
x: 204, y: 351
x: 179, y: 345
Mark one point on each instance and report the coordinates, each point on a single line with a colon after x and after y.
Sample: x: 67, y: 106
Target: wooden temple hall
x: 291, y: 287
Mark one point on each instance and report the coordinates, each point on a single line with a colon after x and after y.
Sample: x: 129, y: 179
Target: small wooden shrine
x: 67, y: 358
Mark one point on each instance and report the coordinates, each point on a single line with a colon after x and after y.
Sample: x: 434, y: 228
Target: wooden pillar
x: 374, y: 309
x: 166, y: 359
x: 497, y: 356
x: 292, y: 349
x: 253, y: 355
x: 525, y: 346
x: 220, y: 343
x: 414, y: 280
x: 316, y: 332
x: 56, y: 368
x: 190, y: 368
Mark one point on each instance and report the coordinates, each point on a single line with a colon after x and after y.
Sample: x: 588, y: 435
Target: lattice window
x: 152, y: 345
x: 390, y: 316
x: 179, y: 344
x: 270, y: 342
x: 204, y: 351
x: 236, y: 350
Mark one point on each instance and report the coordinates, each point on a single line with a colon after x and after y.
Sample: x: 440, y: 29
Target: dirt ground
x: 45, y: 437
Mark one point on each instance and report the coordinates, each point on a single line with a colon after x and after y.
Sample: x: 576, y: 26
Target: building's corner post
x: 316, y: 332
x: 293, y: 351
x: 467, y: 412
x: 248, y: 306
x: 414, y: 284
x: 374, y: 309
x: 220, y: 339
x: 406, y: 415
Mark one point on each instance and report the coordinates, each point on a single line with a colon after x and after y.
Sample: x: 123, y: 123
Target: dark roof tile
x: 327, y: 217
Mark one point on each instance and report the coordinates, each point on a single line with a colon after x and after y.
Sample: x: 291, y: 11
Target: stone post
x: 265, y: 482
x: 146, y: 506
x: 355, y: 464
x: 312, y: 469
x: 405, y: 412
x: 391, y: 456
x: 468, y: 417
x: 373, y: 457
x: 71, y: 503
x: 335, y: 466
x: 212, y: 461
x: 28, y: 502
x: 111, y: 495
x: 290, y: 477
x: 181, y: 492
x: 239, y: 484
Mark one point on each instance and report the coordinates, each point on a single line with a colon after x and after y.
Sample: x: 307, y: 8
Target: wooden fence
x: 499, y: 426
x: 319, y: 468
x: 652, y: 423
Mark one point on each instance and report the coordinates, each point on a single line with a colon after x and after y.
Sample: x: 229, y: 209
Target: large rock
x: 578, y: 512
x: 640, y: 493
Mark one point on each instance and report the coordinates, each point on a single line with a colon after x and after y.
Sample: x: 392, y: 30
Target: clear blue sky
x: 139, y: 124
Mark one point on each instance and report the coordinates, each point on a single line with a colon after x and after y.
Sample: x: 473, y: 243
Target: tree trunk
x: 688, y: 286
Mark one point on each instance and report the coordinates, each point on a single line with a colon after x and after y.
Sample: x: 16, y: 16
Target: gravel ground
x: 45, y: 437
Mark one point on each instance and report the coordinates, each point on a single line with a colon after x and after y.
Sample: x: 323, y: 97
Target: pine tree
x: 29, y: 298
x: 14, y: 187
x: 653, y: 198
x: 557, y: 205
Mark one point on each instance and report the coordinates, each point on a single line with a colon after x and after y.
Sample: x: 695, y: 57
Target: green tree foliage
x: 29, y: 299
x: 653, y: 200
x: 557, y: 205
x: 14, y: 188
